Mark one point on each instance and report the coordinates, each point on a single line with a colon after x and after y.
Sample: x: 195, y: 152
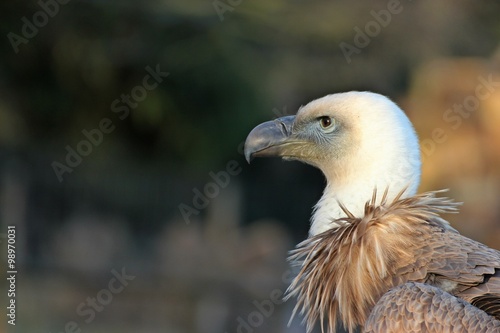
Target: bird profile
x: 370, y: 231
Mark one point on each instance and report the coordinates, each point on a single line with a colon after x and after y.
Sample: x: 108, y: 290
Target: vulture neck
x: 328, y: 210
x: 353, y: 196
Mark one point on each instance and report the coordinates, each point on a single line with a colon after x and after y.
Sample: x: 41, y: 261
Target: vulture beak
x: 269, y: 138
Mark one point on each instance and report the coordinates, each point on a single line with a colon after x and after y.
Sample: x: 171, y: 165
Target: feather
x: 424, y: 308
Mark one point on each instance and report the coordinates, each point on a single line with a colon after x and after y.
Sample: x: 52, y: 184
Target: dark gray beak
x: 269, y: 138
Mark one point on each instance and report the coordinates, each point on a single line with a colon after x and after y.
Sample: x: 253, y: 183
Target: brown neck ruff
x: 345, y: 270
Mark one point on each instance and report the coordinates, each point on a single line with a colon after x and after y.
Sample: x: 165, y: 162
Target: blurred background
x: 121, y: 130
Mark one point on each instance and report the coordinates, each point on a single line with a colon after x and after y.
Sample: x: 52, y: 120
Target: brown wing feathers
x: 417, y: 307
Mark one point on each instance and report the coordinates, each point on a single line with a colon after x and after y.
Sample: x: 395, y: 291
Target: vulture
x: 378, y: 256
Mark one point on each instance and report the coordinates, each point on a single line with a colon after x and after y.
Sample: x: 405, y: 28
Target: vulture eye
x: 327, y: 123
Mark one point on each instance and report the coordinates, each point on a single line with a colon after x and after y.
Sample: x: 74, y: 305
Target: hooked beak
x: 270, y: 138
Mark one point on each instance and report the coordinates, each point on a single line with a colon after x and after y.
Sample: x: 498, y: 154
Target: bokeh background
x: 231, y: 64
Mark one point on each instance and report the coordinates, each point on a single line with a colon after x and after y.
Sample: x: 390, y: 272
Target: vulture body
x: 378, y: 255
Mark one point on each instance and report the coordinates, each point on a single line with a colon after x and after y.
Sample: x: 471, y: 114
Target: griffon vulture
x: 378, y: 254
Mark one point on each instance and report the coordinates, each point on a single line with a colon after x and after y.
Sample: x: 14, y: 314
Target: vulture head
x: 361, y: 141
